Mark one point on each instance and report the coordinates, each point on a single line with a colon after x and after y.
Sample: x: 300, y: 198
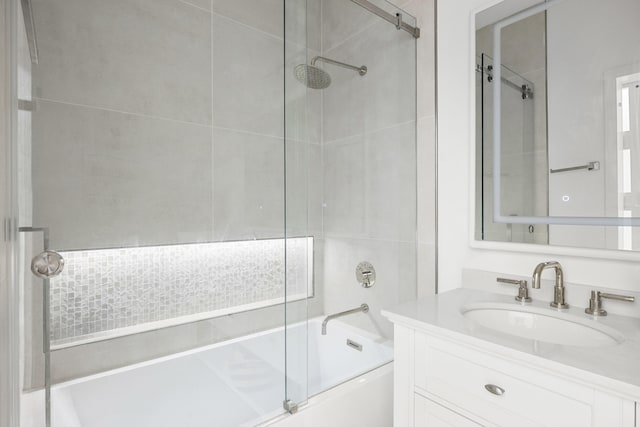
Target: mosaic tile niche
x: 111, y: 292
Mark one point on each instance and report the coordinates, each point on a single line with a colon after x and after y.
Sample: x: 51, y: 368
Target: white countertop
x: 615, y: 369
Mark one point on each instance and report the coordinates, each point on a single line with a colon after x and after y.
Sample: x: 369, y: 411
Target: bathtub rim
x: 378, y: 339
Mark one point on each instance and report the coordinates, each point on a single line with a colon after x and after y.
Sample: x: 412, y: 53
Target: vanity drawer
x: 429, y: 414
x: 464, y: 379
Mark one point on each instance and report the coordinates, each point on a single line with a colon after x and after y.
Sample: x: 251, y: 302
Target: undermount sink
x: 542, y: 324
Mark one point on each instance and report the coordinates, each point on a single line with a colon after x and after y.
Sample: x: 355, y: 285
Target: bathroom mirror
x: 569, y: 123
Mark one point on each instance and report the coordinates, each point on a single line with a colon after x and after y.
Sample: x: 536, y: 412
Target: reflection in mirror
x: 524, y: 189
x: 570, y: 91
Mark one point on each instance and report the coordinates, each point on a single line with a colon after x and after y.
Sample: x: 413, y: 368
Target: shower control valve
x: 366, y: 274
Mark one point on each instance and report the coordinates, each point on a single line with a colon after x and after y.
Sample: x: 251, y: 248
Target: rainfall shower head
x: 313, y: 77
x: 316, y: 78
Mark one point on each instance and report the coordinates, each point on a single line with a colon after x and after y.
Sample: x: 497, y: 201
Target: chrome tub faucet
x: 363, y: 308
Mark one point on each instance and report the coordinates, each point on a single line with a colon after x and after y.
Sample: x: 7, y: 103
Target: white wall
x: 456, y: 137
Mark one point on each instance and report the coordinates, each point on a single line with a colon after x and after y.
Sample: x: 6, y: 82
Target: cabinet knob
x: 494, y: 389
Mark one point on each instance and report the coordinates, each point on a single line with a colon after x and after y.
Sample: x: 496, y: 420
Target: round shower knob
x: 366, y: 274
x: 47, y: 264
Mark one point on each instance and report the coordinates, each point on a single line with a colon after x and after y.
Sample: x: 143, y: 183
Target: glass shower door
x: 299, y: 243
x: 167, y: 157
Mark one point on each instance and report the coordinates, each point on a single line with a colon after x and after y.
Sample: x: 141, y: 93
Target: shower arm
x: 361, y: 70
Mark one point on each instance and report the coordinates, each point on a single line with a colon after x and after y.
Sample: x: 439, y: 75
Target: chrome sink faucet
x: 558, y: 289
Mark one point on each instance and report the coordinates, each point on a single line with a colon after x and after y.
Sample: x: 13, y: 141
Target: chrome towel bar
x: 592, y: 166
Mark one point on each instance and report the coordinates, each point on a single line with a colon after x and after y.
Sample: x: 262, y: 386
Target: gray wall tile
x: 385, y: 96
x: 248, y: 185
x: 107, y: 179
x: 149, y: 57
x: 247, y: 79
x: 344, y: 187
x: 391, y: 183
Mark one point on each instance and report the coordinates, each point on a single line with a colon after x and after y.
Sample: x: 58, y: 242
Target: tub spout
x: 363, y: 308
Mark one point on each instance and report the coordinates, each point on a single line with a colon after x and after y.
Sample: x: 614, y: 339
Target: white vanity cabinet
x: 442, y: 382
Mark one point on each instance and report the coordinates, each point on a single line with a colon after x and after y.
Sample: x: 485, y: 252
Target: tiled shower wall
x: 101, y: 293
x: 376, y: 192
x: 161, y: 122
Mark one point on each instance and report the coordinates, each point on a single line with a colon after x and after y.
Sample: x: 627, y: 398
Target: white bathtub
x: 241, y: 383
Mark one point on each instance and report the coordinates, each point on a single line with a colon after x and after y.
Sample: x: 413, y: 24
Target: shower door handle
x: 48, y: 263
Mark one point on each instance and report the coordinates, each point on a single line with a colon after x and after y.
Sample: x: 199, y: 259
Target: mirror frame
x: 522, y: 248
x: 497, y: 122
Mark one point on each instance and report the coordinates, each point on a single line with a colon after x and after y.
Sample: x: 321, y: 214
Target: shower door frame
x: 9, y: 301
x: 295, y: 310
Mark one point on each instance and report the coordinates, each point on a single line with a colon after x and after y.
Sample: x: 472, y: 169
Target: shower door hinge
x: 290, y: 406
x: 398, y: 21
x: 7, y: 229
